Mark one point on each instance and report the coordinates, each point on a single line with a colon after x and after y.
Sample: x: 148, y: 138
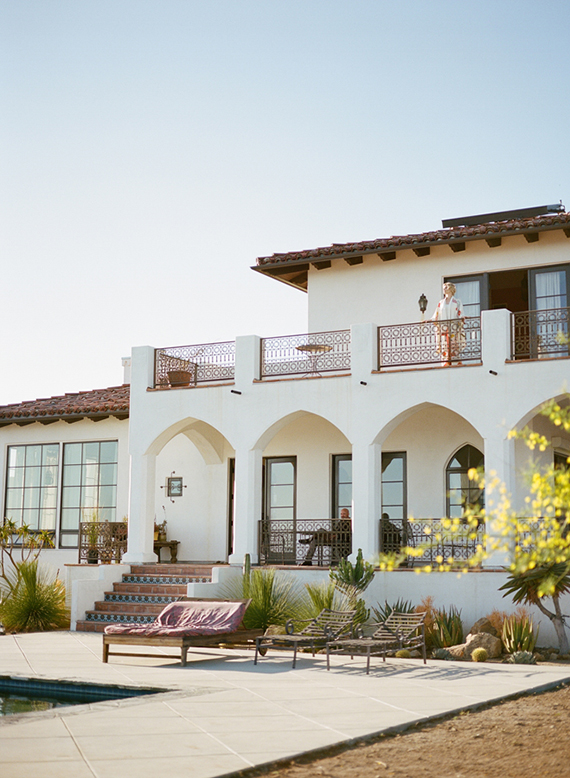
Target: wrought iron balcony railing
x: 455, y: 342
x: 310, y: 354
x: 440, y: 545
x: 321, y: 542
x: 540, y: 334
x: 102, y: 541
x: 191, y: 365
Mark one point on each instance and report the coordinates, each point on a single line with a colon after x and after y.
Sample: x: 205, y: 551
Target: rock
x: 275, y: 629
x: 490, y: 643
x: 484, y: 625
x: 415, y: 654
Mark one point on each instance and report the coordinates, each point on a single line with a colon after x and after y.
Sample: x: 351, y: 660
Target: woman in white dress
x: 451, y: 337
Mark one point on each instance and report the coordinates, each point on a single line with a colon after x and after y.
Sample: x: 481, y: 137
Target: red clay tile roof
x: 443, y: 236
x: 98, y: 403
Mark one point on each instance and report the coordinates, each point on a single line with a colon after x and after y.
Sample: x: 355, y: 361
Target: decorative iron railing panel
x: 440, y: 545
x: 454, y: 342
x: 540, y: 334
x: 191, y: 365
x: 309, y: 354
x: 102, y: 541
x: 322, y: 542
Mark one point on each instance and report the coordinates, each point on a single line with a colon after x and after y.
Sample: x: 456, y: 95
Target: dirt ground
x: 526, y: 736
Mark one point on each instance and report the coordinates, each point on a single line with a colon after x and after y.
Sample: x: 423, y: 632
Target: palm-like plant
x: 35, y: 602
x: 529, y: 587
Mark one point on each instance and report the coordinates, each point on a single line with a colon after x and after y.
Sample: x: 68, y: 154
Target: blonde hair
x: 451, y: 285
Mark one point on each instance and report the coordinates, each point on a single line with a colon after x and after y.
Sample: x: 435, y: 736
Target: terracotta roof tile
x: 113, y: 401
x: 558, y: 220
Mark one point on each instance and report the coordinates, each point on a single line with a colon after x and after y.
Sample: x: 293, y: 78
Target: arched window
x: 461, y: 492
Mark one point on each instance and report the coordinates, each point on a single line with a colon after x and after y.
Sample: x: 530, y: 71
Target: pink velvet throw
x: 199, y: 617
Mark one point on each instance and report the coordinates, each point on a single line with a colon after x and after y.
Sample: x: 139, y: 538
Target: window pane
x: 90, y: 475
x: 393, y: 511
x: 50, y: 455
x: 281, y: 513
x: 344, y: 471
x: 91, y: 452
x: 49, y: 498
x: 72, y: 454
x: 49, y: 475
x: 108, y: 475
x: 16, y: 456
x: 15, y: 514
x: 31, y: 498
x: 15, y: 476
x: 89, y: 496
x: 551, y: 290
x: 392, y: 494
x: 109, y: 450
x: 454, y: 480
x: 282, y: 495
x: 30, y: 517
x: 47, y: 518
x: 107, y: 496
x: 345, y: 495
x: 33, y: 455
x: 69, y: 541
x: 71, y: 497
x: 106, y: 514
x: 70, y: 518
x: 282, y: 473
x: 72, y: 475
x: 392, y: 467
x: 32, y: 476
x: 14, y: 498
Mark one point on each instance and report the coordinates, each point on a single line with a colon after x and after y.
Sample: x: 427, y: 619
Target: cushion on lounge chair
x: 207, y: 617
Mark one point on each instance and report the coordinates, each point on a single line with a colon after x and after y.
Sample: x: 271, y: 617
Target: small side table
x: 171, y: 544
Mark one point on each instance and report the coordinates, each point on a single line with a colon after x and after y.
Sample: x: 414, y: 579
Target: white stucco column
x: 499, y: 464
x: 366, y: 498
x: 141, y: 511
x: 364, y: 351
x: 496, y: 339
x: 248, y: 359
x: 247, y: 501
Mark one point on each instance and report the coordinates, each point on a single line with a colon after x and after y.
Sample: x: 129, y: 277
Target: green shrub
x: 36, y: 602
x: 479, y: 655
x: 442, y: 653
x: 358, y: 576
x: 274, y: 598
x: 519, y: 634
x: 522, y: 658
x: 381, y: 612
x: 328, y: 595
x: 447, y: 628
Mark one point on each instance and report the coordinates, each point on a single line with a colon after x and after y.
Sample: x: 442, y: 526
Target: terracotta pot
x: 179, y: 377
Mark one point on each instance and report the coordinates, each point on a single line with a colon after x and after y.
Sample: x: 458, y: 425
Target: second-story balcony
x: 178, y: 366
x: 429, y: 343
x: 540, y: 334
x: 307, y: 355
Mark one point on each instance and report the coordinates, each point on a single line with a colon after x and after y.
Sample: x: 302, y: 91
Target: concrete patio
x: 221, y: 714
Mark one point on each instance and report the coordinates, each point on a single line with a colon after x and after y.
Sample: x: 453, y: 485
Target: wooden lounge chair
x: 328, y: 625
x: 400, y: 630
x: 184, y: 624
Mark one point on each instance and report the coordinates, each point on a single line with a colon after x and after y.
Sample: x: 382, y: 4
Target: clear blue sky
x: 150, y: 151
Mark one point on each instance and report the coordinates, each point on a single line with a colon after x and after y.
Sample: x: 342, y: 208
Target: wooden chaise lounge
x: 184, y: 624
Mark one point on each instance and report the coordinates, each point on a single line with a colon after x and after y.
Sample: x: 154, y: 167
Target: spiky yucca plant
x: 381, y: 612
x: 447, y: 628
x: 36, y: 603
x: 274, y: 598
x: 519, y: 634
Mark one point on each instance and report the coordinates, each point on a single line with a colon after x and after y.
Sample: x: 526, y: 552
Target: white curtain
x: 550, y: 290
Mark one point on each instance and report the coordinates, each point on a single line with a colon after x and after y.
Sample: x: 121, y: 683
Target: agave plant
x: 519, y: 634
x: 447, y: 628
x: 35, y: 603
x: 274, y: 598
x: 381, y: 612
x: 522, y: 658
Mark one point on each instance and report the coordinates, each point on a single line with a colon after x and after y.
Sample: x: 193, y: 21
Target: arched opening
x: 461, y: 492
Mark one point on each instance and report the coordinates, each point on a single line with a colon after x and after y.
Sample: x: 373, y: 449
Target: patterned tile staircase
x: 142, y: 594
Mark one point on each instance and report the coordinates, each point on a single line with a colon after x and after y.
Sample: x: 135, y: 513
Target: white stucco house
x: 265, y: 440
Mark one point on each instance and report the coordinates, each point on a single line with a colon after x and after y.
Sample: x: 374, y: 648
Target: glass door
x: 280, y: 509
x: 549, y: 301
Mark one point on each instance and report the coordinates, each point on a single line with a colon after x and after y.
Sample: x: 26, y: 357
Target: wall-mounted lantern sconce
x: 174, y: 486
x: 422, y: 302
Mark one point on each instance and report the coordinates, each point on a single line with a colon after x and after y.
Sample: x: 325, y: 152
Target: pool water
x: 27, y: 695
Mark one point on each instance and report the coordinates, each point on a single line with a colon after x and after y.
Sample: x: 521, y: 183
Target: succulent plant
x: 522, y: 658
x: 479, y: 655
x: 442, y: 653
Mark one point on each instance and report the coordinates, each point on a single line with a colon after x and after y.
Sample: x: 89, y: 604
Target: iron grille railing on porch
x: 191, y: 365
x: 540, y: 334
x: 440, y: 545
x: 455, y: 342
x: 319, y: 542
x: 102, y: 541
x: 308, y: 354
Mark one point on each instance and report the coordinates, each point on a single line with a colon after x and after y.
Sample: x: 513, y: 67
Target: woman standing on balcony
x: 451, y: 337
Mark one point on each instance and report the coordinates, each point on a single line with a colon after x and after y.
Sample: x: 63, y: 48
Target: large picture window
x: 89, y: 486
x: 461, y: 492
x: 31, y: 485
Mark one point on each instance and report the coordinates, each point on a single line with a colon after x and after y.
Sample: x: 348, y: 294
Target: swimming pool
x: 25, y: 695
